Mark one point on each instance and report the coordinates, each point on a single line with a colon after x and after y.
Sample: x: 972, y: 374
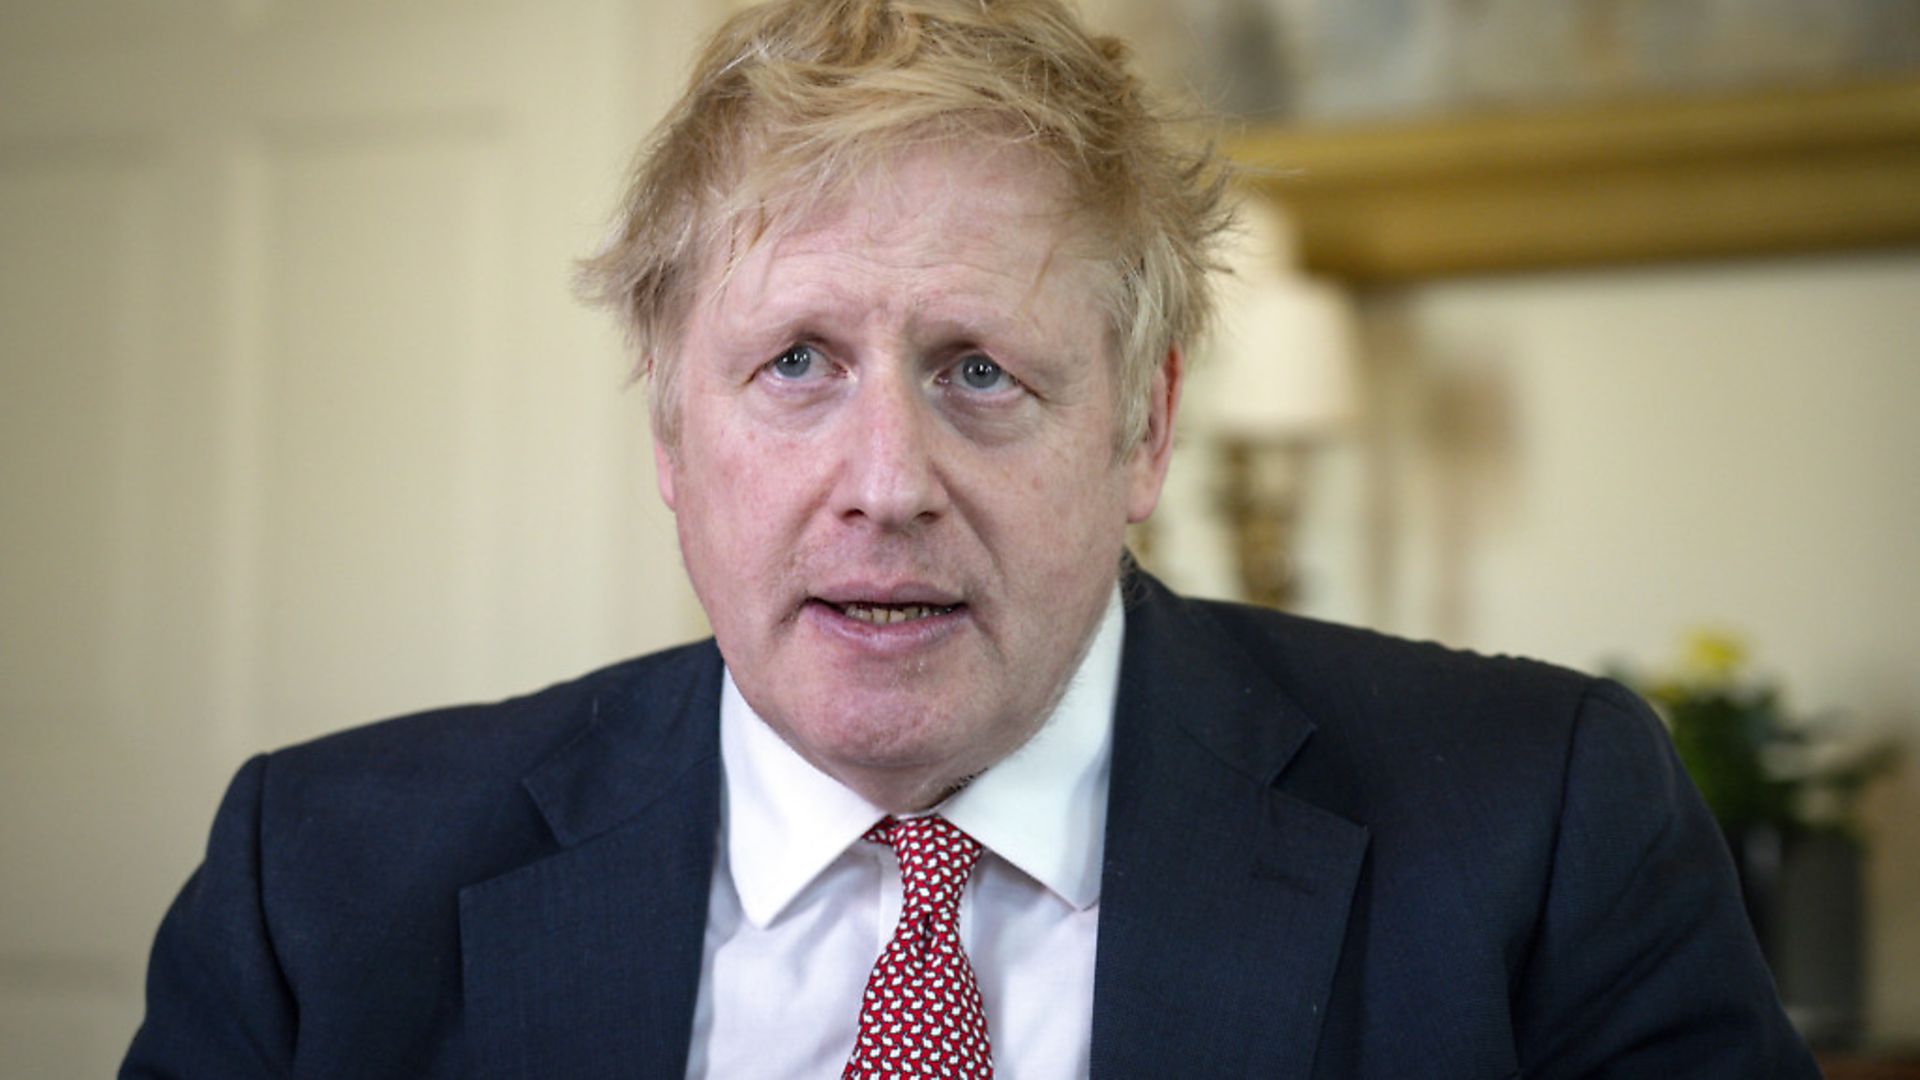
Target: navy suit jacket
x: 1329, y: 854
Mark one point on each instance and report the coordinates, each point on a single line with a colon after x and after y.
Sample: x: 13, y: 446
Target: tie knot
x: 936, y: 857
x: 921, y: 1015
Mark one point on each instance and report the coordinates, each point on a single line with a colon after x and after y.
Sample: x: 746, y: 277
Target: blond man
x: 952, y: 791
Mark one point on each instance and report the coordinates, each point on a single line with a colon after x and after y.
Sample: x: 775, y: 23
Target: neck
x: 904, y: 792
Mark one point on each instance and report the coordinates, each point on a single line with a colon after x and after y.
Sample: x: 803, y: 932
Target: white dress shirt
x: 801, y: 906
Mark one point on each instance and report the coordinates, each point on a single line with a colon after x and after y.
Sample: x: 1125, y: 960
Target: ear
x: 664, y: 470
x: 1147, y: 461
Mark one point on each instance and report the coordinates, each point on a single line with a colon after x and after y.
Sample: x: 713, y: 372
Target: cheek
x: 743, y: 496
x: 724, y: 543
x: 1061, y: 506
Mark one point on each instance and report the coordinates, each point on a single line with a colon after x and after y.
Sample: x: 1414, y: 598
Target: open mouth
x: 888, y: 614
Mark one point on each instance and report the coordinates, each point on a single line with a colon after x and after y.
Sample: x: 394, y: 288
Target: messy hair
x: 794, y: 99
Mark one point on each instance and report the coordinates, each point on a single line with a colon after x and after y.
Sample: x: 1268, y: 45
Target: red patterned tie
x: 921, y: 1014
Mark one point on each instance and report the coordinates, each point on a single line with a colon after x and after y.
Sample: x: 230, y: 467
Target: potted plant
x: 1784, y: 789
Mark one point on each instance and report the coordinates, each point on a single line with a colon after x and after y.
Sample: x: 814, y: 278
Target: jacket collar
x: 1225, y: 897
x: 587, y: 961
x: 642, y: 735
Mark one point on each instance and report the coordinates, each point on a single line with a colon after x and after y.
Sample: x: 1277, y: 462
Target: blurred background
x: 1581, y: 329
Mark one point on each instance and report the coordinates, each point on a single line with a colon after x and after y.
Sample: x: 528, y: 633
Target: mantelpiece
x: 1641, y: 181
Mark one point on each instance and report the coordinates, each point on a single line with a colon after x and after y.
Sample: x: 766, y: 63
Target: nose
x: 890, y: 476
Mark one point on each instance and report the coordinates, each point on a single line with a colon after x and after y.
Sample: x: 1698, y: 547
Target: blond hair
x: 791, y: 100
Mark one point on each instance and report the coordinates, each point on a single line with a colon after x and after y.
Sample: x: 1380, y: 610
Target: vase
x: 1804, y: 896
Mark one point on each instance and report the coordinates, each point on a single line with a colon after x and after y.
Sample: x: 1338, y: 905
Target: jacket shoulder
x: 1359, y: 675
x: 463, y: 744
x: 323, y: 923
x: 441, y: 795
x: 1405, y: 733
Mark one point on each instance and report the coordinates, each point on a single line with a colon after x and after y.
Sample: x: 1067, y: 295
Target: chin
x: 894, y: 736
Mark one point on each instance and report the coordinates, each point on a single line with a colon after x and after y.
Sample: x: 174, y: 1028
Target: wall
x: 299, y: 423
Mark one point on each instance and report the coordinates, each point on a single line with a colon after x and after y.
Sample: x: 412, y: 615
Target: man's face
x: 895, y: 481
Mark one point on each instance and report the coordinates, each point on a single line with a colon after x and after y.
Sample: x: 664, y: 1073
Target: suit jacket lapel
x: 587, y: 962
x: 1224, y: 900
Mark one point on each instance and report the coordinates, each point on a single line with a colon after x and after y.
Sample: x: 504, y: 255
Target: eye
x: 976, y: 372
x: 797, y: 362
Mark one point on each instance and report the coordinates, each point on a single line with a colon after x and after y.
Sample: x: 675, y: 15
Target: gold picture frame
x: 1646, y: 181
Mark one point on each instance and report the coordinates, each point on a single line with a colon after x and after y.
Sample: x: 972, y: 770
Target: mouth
x: 888, y: 624
x: 877, y: 614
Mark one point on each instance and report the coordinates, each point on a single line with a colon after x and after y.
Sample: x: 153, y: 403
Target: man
x: 910, y: 280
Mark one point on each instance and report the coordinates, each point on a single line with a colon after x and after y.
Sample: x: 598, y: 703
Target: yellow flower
x: 1712, y: 656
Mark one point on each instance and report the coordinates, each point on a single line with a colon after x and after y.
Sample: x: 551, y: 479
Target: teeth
x: 888, y: 614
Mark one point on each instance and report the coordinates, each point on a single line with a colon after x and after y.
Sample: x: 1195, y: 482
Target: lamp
x: 1281, y: 381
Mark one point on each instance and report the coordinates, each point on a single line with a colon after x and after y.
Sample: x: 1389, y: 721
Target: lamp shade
x: 1283, y: 356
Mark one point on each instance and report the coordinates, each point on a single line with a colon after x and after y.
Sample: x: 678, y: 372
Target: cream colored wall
x: 1582, y: 466
x: 299, y: 424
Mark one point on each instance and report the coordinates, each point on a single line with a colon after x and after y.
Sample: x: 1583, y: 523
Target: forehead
x: 950, y: 222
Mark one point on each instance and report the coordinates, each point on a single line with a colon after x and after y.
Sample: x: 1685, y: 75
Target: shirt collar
x: 1043, y: 809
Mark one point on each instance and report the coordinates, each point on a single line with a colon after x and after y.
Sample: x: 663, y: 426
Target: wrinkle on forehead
x: 888, y: 194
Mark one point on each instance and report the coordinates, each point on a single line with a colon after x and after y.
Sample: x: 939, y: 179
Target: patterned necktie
x: 921, y: 1014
